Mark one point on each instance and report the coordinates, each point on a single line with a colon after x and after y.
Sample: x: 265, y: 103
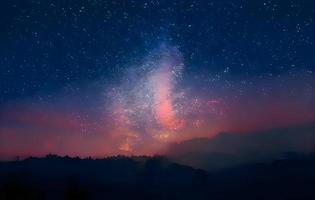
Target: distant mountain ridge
x: 230, y: 149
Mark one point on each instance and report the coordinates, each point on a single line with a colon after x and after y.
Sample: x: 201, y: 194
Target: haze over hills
x: 230, y: 149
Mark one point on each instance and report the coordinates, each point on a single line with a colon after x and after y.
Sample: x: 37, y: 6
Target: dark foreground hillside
x: 112, y: 178
x: 55, y: 177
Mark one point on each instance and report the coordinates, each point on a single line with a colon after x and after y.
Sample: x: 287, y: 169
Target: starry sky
x: 97, y: 77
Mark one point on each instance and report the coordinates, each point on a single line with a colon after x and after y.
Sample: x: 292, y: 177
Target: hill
x: 119, y: 177
x: 232, y: 149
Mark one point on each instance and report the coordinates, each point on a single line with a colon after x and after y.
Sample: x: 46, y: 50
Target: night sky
x: 96, y: 77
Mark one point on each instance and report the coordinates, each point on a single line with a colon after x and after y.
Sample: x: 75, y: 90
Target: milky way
x: 147, y: 101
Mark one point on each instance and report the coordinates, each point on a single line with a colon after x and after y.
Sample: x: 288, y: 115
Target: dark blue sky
x: 46, y: 45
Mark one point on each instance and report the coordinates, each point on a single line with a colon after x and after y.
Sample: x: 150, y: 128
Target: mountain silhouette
x: 55, y: 177
x: 231, y: 149
x: 122, y: 177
